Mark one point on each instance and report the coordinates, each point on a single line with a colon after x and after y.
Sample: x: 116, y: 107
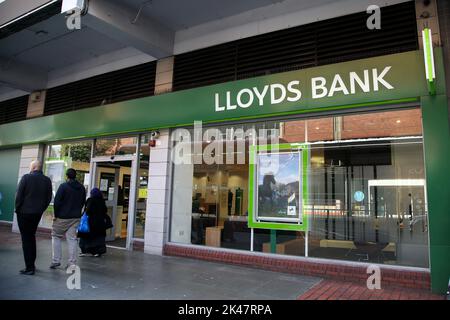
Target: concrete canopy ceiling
x: 178, y: 15
x: 50, y: 45
x: 157, y: 28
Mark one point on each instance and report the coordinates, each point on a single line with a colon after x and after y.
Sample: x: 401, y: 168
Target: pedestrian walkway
x: 134, y: 275
x: 123, y: 274
x: 338, y: 290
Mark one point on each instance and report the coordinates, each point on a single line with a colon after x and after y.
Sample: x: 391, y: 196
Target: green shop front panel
x: 9, y: 171
x: 381, y: 80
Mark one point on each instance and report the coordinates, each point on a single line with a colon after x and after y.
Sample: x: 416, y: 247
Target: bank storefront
x: 361, y: 170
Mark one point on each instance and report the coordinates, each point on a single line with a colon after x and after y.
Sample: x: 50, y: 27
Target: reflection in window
x: 366, y: 192
x: 60, y: 157
x: 115, y: 146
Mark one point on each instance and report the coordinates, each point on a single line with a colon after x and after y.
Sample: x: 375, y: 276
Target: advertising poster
x: 55, y: 170
x: 103, y: 184
x: 278, y: 192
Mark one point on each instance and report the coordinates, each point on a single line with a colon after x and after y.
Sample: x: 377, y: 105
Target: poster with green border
x: 294, y: 217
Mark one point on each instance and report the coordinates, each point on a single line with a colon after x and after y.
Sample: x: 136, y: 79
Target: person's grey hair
x: 35, y: 165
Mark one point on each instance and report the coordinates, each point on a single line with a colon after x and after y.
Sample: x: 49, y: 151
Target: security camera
x: 154, y: 135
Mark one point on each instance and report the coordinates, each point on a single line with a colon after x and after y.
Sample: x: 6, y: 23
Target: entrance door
x: 114, y: 178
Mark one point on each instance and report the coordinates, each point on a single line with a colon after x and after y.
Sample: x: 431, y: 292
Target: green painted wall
x: 9, y: 173
x: 436, y: 134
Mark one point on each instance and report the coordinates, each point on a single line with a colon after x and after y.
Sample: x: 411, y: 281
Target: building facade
x: 170, y: 125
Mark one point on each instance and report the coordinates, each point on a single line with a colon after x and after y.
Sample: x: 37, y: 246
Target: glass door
x: 108, y: 182
x: 115, y: 178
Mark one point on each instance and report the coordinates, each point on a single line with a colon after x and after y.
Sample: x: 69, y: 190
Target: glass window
x: 115, y: 146
x: 60, y: 157
x: 142, y: 185
x: 366, y: 194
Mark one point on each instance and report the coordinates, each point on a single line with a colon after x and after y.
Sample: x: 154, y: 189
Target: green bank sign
x: 351, y: 83
x: 381, y: 80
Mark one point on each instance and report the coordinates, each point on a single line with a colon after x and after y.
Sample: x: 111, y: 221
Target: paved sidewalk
x: 338, y: 290
x: 134, y: 275
x: 123, y: 274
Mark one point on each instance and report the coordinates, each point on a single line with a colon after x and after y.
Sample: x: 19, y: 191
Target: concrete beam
x: 119, y: 22
x: 10, y: 10
x: 22, y: 76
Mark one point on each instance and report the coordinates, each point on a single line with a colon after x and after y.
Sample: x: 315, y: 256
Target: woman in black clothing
x: 93, y: 242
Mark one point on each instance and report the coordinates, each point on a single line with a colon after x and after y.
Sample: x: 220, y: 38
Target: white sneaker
x: 82, y: 255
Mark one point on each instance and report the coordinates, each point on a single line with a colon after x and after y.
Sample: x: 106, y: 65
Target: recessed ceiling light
x: 398, y: 121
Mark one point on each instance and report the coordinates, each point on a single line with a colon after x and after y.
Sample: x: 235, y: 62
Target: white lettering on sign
x: 379, y: 78
x: 366, y: 81
x: 297, y: 92
x: 364, y: 86
x: 318, y: 84
x: 261, y: 95
x: 338, y: 85
x: 250, y: 98
x: 273, y: 93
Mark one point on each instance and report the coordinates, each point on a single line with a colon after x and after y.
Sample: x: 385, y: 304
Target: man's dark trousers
x: 28, y: 224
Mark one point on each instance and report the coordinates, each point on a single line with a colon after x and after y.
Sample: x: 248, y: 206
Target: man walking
x: 34, y: 194
x: 68, y: 204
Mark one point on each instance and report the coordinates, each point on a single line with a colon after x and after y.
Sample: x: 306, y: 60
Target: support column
x: 427, y: 17
x: 436, y: 135
x: 36, y: 103
x: 164, y: 75
x: 158, y: 200
x: 159, y: 178
x: 443, y: 9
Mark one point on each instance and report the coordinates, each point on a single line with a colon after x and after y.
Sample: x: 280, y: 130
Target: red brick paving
x: 338, y: 290
x: 399, y: 277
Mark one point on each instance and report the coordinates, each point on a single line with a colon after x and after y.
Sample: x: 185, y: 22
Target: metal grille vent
x: 125, y: 84
x: 13, y: 110
x: 324, y: 42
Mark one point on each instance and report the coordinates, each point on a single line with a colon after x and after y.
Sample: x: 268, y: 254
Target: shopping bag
x: 83, y: 227
x: 108, y: 222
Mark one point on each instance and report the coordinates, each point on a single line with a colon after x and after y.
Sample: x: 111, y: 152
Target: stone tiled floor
x: 338, y: 290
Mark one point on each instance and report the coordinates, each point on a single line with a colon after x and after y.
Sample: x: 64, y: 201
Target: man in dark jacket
x: 34, y: 194
x: 68, y: 204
